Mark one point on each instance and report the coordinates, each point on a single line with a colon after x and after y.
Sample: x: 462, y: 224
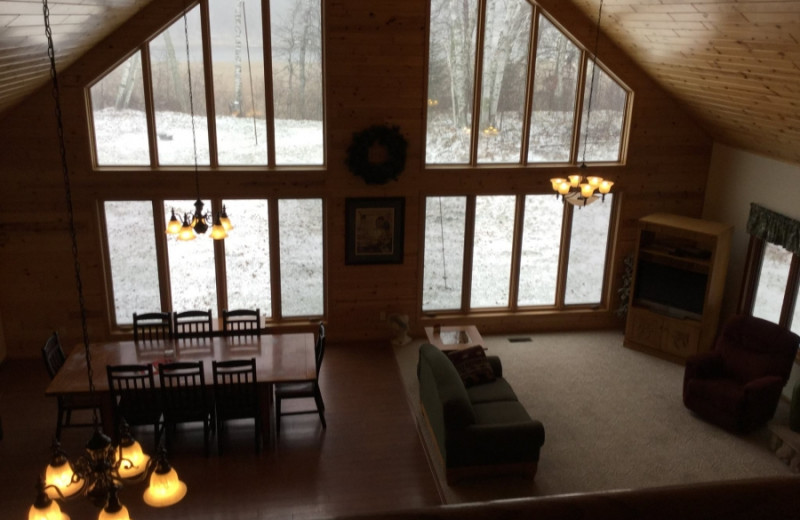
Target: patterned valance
x: 774, y: 228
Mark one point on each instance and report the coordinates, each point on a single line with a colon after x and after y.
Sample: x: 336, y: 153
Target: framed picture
x: 374, y: 230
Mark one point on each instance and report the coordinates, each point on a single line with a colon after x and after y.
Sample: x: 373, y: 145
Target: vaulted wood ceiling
x: 734, y: 64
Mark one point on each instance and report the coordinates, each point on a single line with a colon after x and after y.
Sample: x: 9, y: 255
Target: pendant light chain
x: 250, y: 72
x: 591, y: 84
x: 68, y: 193
x: 191, y: 103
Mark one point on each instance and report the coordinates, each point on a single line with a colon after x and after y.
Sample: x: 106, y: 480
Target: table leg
x: 266, y: 397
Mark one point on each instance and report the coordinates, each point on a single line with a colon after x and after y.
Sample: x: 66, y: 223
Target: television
x: 669, y: 290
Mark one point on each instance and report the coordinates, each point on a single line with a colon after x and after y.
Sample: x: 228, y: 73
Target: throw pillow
x: 472, y: 365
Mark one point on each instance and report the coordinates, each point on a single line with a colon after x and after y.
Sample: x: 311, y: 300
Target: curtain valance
x: 774, y: 228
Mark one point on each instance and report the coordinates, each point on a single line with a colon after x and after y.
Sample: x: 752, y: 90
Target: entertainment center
x: 678, y: 284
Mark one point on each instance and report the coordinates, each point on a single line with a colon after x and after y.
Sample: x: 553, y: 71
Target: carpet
x: 613, y: 419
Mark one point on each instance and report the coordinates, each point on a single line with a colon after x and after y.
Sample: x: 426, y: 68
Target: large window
x: 203, y: 274
x: 505, y: 252
x: 262, y: 112
x: 519, y: 106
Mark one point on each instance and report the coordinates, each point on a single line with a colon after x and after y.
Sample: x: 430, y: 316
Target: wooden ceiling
x: 734, y: 64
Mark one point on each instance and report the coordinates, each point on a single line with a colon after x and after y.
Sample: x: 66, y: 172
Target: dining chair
x: 192, y: 324
x: 135, y: 398
x: 184, y: 399
x: 152, y: 326
x: 304, y: 389
x: 54, y: 359
x: 241, y: 322
x: 236, y: 395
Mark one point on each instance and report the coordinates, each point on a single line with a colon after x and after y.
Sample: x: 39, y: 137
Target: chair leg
x: 320, y: 406
x: 220, y: 428
x: 277, y: 416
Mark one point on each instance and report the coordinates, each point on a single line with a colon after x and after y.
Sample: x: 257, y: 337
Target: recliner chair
x: 737, y: 385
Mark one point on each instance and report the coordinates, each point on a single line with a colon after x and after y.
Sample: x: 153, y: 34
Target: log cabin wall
x: 375, y: 62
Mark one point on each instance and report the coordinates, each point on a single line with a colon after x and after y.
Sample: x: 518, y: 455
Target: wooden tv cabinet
x: 698, y: 248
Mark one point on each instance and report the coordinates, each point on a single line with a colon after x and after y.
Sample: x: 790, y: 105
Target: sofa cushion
x: 500, y: 412
x: 472, y: 365
x: 497, y: 390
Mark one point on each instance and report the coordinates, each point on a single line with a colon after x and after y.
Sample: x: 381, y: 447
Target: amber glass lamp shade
x: 50, y: 511
x: 59, y: 474
x: 224, y: 220
x: 174, y: 225
x: 131, y: 459
x: 165, y: 488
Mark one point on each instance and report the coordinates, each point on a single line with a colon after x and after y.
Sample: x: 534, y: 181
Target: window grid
x: 581, y: 91
x: 162, y: 263
x: 513, y: 305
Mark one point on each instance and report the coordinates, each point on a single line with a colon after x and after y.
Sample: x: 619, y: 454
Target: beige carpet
x: 613, y: 419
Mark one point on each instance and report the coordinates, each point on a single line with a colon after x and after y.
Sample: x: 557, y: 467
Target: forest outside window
x: 519, y: 105
x: 775, y: 285
x: 263, y: 112
x: 504, y: 252
x: 240, y: 272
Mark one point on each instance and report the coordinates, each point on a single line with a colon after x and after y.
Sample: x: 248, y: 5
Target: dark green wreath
x: 358, y: 154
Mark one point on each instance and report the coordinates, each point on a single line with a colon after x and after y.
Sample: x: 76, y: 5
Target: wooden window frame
x: 516, y: 259
x: 585, y: 58
x: 159, y: 224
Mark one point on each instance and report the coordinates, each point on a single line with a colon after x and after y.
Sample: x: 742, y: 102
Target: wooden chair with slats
x: 54, y: 358
x: 135, y: 398
x: 152, y: 327
x: 241, y: 322
x: 184, y: 399
x: 301, y: 390
x: 192, y: 324
x: 236, y: 396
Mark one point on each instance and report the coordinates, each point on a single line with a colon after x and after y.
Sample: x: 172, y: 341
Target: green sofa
x: 481, y: 429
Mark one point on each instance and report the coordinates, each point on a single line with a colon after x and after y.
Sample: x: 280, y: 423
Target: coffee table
x: 454, y: 337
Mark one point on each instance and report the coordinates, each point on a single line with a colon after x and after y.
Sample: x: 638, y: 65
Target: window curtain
x: 774, y: 228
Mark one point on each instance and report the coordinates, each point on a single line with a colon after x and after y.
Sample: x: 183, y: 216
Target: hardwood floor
x: 368, y: 459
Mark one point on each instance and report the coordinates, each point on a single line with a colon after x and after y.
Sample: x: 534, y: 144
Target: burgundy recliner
x: 737, y: 385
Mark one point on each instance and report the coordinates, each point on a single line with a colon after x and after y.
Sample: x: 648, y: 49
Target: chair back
x: 183, y: 392
x: 319, y: 347
x: 192, y: 324
x: 134, y: 395
x: 753, y: 347
x: 152, y: 326
x: 53, y: 355
x: 235, y: 388
x: 241, y: 322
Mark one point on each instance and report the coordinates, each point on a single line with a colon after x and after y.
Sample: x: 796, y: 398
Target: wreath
x: 358, y: 160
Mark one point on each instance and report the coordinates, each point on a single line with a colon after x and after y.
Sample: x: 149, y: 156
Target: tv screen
x: 675, y: 291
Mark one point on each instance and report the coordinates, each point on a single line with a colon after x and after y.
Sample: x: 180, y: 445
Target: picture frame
x: 374, y: 230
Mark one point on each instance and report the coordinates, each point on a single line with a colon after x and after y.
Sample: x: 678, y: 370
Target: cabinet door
x: 645, y: 328
x: 681, y: 337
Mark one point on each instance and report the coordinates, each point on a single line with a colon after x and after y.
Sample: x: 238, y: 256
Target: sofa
x: 479, y: 426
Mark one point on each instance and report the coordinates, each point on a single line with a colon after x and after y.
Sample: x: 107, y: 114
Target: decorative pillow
x: 472, y: 365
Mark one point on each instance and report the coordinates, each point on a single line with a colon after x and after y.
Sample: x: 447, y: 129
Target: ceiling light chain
x: 100, y: 472
x: 573, y: 189
x: 197, y: 223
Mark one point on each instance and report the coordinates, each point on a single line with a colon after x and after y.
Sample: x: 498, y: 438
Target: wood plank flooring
x: 368, y: 459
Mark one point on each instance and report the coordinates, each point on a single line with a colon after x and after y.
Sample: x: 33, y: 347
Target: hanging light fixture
x: 99, y: 474
x: 198, y: 222
x: 579, y: 189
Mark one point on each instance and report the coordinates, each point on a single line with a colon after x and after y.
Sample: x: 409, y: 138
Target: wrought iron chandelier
x: 196, y: 223
x: 100, y: 473
x: 579, y: 189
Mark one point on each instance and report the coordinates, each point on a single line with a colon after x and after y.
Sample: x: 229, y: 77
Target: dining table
x: 279, y: 358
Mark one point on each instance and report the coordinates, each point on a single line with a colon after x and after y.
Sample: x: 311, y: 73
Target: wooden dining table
x: 279, y: 358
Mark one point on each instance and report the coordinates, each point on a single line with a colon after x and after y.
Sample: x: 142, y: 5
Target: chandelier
x: 100, y: 473
x: 579, y: 189
x: 196, y: 223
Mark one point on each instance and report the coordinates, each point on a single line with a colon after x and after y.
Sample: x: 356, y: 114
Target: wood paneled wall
x: 375, y: 74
